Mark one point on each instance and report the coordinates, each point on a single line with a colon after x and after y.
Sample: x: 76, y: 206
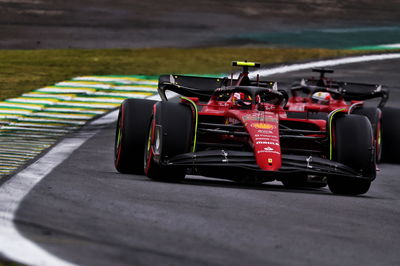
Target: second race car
x: 317, y: 97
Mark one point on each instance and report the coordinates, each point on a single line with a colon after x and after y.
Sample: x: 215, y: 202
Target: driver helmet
x: 321, y: 97
x: 237, y: 96
x: 241, y: 96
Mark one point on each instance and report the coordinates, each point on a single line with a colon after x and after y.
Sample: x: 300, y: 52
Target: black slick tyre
x: 133, y: 118
x: 170, y: 133
x: 353, y: 146
x: 374, y: 116
x: 391, y: 135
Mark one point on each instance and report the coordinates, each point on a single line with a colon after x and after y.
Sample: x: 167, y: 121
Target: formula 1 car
x: 316, y: 98
x: 238, y: 129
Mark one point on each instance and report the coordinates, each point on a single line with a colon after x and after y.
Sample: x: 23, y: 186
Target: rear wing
x: 350, y: 91
x: 360, y: 91
x: 190, y: 86
x: 201, y: 87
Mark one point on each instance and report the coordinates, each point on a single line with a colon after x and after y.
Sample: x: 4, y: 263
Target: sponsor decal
x: 261, y: 135
x: 270, y: 160
x: 232, y: 120
x: 252, y: 118
x: 266, y: 137
x: 259, y: 118
x: 263, y: 126
x: 268, y: 132
x: 268, y: 149
x: 297, y: 108
x: 267, y: 143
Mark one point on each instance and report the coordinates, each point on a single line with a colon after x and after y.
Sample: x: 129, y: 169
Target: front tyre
x: 354, y: 147
x: 170, y: 133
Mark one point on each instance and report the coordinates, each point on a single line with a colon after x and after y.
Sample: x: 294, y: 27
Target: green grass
x: 25, y: 70
x: 8, y: 263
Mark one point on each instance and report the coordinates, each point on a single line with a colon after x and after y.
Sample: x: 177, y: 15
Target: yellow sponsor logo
x: 263, y: 126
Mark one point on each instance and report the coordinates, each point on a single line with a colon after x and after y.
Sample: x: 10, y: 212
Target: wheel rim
x: 118, y: 136
x: 378, y: 142
x: 148, y: 149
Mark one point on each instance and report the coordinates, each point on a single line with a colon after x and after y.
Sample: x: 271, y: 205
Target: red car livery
x: 248, y: 131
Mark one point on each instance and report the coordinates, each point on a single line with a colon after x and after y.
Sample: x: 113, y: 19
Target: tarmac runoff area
x: 15, y: 190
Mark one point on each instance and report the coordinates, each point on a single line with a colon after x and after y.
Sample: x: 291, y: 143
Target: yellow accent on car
x: 245, y: 64
x: 196, y: 121
x: 331, y: 130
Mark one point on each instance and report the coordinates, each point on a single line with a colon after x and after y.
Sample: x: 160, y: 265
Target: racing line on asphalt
x: 12, y: 192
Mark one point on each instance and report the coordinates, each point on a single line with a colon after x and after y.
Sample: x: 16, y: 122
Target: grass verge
x: 25, y: 70
x: 8, y: 263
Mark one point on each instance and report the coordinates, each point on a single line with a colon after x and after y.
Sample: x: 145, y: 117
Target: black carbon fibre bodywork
x: 230, y: 164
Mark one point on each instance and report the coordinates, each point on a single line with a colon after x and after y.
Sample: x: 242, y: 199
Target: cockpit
x: 249, y: 97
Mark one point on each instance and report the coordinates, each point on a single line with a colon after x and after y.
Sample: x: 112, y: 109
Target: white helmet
x: 321, y: 97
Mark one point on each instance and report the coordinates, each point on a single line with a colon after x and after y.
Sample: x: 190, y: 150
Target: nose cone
x: 264, y: 133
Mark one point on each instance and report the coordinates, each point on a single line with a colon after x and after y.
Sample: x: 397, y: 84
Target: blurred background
x: 333, y: 24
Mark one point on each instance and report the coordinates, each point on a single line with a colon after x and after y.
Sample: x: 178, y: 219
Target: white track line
x: 13, y: 244
x: 324, y: 63
x: 15, y: 247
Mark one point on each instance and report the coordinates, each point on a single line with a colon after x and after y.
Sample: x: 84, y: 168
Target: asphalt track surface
x: 86, y: 213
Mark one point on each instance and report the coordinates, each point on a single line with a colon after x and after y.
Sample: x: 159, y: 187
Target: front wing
x: 235, y: 164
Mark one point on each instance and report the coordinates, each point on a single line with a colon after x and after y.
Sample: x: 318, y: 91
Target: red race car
x: 316, y: 98
x: 239, y: 129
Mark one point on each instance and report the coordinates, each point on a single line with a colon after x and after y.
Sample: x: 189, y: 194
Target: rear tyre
x: 133, y: 118
x: 374, y: 116
x: 353, y: 146
x: 170, y: 133
x: 391, y: 135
